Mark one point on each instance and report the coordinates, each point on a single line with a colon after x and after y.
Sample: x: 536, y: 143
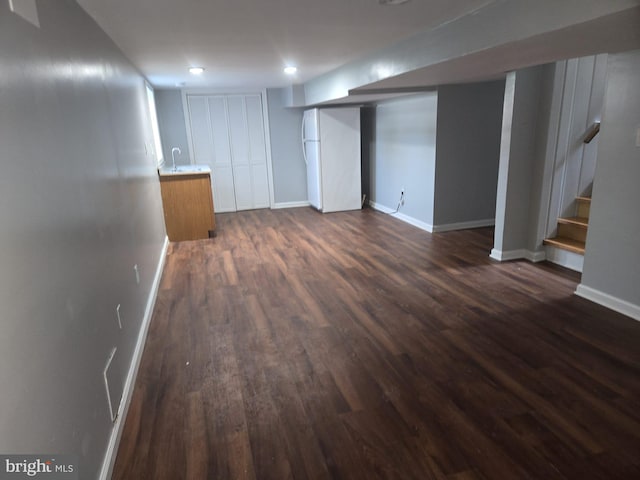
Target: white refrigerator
x: 331, y: 149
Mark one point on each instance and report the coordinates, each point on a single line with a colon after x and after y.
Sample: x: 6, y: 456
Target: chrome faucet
x: 173, y: 157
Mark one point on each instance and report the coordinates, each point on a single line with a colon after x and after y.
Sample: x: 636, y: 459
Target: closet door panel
x: 240, y: 152
x: 260, y: 186
x: 222, y: 173
x: 224, y: 197
x: 200, y: 130
x: 244, y: 189
x: 258, y: 149
x: 238, y: 130
x: 256, y: 130
x: 219, y: 130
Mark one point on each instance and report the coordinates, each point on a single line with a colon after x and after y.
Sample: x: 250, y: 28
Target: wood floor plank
x: 354, y: 346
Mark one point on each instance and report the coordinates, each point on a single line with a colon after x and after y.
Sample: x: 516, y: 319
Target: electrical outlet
x: 135, y: 269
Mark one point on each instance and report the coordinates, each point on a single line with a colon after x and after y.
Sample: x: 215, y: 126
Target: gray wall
x: 521, y: 158
x: 173, y: 131
x: 367, y: 146
x: 468, y: 151
x: 612, y: 257
x: 544, y: 138
x: 289, y: 169
x: 404, y: 155
x: 80, y: 206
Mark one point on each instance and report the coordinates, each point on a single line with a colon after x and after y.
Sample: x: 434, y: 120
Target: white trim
x: 536, y: 257
x: 614, y: 303
x: 522, y: 253
x: 379, y: 207
x: 279, y: 205
x: 127, y: 393
x: 507, y: 255
x: 206, y: 91
x: 414, y: 221
x: 401, y: 216
x: 565, y: 258
x: 447, y: 227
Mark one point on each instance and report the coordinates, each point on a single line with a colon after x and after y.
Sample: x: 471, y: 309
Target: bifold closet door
x: 227, y: 133
x: 258, y: 149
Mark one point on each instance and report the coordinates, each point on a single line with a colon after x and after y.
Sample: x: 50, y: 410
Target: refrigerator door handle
x: 304, y: 146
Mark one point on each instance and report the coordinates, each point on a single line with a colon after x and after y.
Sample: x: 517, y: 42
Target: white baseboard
x: 506, y: 255
x: 447, y: 227
x: 380, y: 207
x: 118, y: 426
x: 277, y: 206
x: 564, y: 258
x: 536, y: 257
x: 522, y: 253
x: 614, y: 303
x: 401, y: 216
x: 414, y: 221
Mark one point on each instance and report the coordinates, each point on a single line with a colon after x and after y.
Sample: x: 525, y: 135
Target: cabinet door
x: 188, y: 209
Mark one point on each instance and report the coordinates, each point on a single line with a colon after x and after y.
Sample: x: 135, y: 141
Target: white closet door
x: 200, y: 130
x: 240, y: 153
x: 221, y: 169
x: 210, y: 141
x: 258, y: 152
x: 228, y: 134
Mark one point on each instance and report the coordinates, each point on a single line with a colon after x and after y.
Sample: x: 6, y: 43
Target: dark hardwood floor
x: 352, y: 345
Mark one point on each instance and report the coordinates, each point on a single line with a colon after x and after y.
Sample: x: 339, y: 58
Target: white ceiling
x: 246, y: 43
x: 610, y: 34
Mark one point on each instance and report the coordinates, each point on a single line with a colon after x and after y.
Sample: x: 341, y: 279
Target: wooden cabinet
x: 188, y: 206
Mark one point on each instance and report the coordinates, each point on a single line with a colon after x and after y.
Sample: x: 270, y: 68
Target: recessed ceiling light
x: 383, y: 71
x: 392, y: 2
x: 196, y: 70
x: 290, y: 70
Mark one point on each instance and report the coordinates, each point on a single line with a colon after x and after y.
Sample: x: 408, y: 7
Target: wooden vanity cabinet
x: 187, y: 201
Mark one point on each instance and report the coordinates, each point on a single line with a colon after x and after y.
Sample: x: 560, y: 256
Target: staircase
x: 572, y: 231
